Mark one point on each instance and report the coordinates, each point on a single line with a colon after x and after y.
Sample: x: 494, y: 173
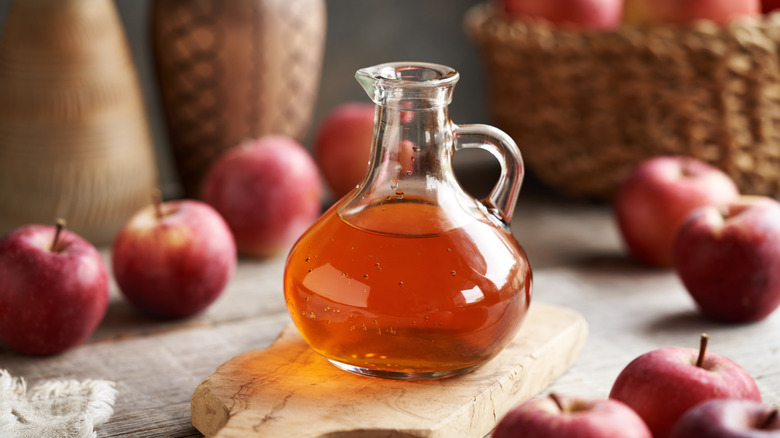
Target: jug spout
x: 430, y: 85
x: 368, y: 80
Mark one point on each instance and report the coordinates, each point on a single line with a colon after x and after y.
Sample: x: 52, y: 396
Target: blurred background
x: 360, y: 33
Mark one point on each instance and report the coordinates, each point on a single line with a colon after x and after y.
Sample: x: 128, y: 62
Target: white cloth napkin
x: 54, y: 408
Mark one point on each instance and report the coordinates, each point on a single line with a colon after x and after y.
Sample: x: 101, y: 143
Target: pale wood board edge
x: 211, y: 416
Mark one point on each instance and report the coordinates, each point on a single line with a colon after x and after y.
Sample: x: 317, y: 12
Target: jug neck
x: 410, y: 145
x: 412, y: 130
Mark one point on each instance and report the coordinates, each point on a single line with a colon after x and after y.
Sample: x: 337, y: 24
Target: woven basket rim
x: 705, y: 90
x: 485, y: 21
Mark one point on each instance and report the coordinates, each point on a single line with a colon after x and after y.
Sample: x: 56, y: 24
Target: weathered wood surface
x: 578, y: 263
x: 267, y: 392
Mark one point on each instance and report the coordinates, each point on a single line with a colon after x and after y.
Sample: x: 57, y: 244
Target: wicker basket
x: 586, y: 107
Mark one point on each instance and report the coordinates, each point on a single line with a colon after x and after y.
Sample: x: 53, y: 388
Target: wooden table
x: 578, y: 262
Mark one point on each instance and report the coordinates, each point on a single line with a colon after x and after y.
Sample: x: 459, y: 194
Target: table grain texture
x: 578, y: 261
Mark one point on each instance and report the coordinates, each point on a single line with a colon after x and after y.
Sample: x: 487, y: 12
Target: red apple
x: 638, y: 12
x: 172, y: 260
x: 269, y: 192
x: 342, y: 145
x: 557, y: 416
x: 53, y: 289
x: 663, y: 384
x: 579, y: 14
x: 768, y: 6
x: 657, y: 197
x: 728, y: 418
x: 728, y: 258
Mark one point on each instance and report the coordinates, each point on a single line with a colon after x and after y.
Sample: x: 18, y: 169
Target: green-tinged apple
x: 269, y: 192
x: 663, y: 384
x: 728, y: 258
x: 558, y: 415
x: 577, y: 14
x: 656, y: 198
x: 173, y: 259
x: 728, y: 418
x: 641, y: 12
x: 53, y: 289
x: 342, y: 145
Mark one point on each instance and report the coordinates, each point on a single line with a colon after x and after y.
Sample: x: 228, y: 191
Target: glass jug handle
x: 502, y: 199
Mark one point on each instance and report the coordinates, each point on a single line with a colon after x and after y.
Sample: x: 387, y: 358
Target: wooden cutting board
x: 289, y: 390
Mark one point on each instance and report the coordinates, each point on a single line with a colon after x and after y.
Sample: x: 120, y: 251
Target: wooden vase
x: 230, y: 71
x: 74, y: 139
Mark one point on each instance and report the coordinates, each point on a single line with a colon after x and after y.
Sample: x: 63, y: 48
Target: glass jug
x: 408, y: 276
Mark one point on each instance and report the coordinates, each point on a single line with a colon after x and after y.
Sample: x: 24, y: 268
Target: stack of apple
x: 676, y: 211
x: 171, y: 259
x: 670, y: 392
x: 610, y: 14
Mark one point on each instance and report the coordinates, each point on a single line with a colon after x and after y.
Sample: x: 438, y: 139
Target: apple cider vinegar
x: 409, y: 276
x: 399, y: 303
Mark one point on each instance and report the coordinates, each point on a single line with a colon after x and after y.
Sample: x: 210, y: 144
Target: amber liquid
x: 422, y: 302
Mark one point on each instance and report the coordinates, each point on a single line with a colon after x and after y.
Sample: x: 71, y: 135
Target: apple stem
x: 685, y: 169
x: 702, y: 349
x: 157, y: 202
x: 60, y: 226
x: 557, y: 401
x: 769, y: 419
